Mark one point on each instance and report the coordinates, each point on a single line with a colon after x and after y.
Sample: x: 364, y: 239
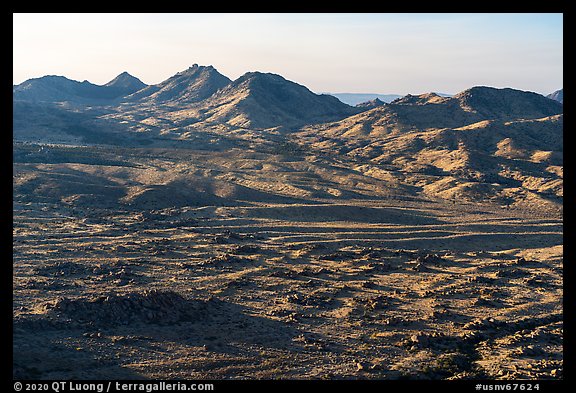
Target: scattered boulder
x: 511, y: 273
x: 339, y: 256
x: 538, y: 282
x: 284, y: 273
x: 247, y: 249
x: 62, y: 268
x: 420, y: 267
x: 523, y: 262
x: 314, y: 247
x: 419, y: 339
x: 487, y: 323
x: 223, y: 259
x: 429, y: 259
x: 308, y: 271
x: 486, y: 302
x: 379, y: 267
x: 481, y: 280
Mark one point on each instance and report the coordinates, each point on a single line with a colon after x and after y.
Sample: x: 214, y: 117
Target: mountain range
x: 259, y: 100
x: 356, y: 99
x: 360, y: 98
x: 52, y: 88
x: 211, y: 228
x: 484, y: 142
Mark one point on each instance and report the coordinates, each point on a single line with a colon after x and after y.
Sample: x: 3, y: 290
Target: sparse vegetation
x: 202, y: 234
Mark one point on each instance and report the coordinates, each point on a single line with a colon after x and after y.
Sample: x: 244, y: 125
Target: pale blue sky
x: 375, y: 53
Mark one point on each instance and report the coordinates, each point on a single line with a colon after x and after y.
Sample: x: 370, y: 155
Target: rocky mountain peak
x: 127, y: 83
x: 558, y: 95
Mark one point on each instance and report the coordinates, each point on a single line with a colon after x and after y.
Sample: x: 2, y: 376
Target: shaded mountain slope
x: 431, y: 111
x: 263, y: 100
x: 492, y: 103
x: 483, y: 143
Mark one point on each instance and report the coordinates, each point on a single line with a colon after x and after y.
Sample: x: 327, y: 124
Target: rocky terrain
x: 558, y: 95
x: 204, y: 228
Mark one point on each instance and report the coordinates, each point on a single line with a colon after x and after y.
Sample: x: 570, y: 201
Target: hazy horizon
x: 336, y: 53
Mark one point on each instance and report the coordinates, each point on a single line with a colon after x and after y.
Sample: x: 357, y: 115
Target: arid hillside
x: 204, y: 228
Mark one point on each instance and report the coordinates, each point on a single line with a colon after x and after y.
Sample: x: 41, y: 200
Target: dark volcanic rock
x: 159, y: 307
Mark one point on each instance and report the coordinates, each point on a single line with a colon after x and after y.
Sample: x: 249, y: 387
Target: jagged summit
x: 191, y: 85
x: 370, y: 104
x: 125, y: 84
x: 558, y: 95
x: 124, y: 79
x: 195, y: 68
x: 421, y: 99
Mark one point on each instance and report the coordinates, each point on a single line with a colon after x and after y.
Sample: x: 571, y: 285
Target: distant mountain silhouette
x: 189, y: 86
x: 263, y: 100
x: 54, y: 88
x: 358, y: 98
x: 558, y: 95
